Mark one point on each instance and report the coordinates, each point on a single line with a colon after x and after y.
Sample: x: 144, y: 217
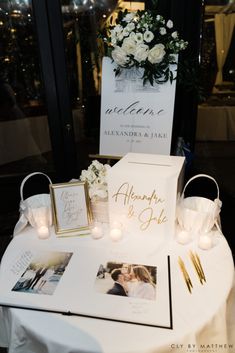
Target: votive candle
x: 97, y: 232
x: 43, y: 232
x: 182, y: 237
x: 115, y: 234
x: 205, y: 242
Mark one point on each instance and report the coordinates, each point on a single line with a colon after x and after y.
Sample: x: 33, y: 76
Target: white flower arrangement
x: 96, y: 178
x: 142, y: 39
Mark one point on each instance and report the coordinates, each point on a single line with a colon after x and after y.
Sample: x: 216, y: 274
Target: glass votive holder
x: 43, y: 232
x: 97, y: 230
x: 116, y: 234
x: 183, y: 237
x: 205, y: 242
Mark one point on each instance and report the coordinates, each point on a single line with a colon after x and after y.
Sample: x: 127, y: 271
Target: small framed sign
x: 70, y: 207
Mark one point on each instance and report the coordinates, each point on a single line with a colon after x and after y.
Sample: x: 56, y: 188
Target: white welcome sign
x: 134, y: 117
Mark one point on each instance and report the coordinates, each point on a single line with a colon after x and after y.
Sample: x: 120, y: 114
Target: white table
x: 205, y: 318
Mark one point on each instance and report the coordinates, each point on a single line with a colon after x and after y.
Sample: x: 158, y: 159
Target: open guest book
x: 87, y: 279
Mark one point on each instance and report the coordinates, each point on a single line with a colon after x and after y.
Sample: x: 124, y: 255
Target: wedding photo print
x: 128, y: 280
x: 44, y: 272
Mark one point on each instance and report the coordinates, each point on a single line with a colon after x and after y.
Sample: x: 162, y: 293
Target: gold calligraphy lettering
x: 130, y: 213
x: 146, y: 218
x: 129, y: 195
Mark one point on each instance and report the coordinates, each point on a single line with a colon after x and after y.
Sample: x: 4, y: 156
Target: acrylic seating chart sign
x: 64, y: 278
x: 134, y: 117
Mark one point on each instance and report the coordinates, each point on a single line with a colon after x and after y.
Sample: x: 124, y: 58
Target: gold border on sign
x: 70, y: 231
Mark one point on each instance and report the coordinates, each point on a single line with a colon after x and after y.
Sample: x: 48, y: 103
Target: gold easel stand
x: 109, y: 159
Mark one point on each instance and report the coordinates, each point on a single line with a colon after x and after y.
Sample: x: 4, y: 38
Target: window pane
x: 24, y: 133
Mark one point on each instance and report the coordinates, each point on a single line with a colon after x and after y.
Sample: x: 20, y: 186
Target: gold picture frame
x: 70, y: 208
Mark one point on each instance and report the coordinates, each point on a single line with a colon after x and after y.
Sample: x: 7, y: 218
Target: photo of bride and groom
x: 128, y: 280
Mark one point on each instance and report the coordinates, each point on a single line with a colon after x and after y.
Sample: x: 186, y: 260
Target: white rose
x: 88, y: 175
x: 113, y: 41
x: 120, y: 36
x: 139, y: 37
x: 130, y: 26
x: 129, y: 45
x: 119, y: 56
x: 84, y: 175
x: 107, y: 167
x: 129, y: 17
x: 156, y: 54
x: 125, y: 32
x: 112, y: 33
x: 174, y: 35
x: 162, y: 31
x: 117, y: 29
x: 132, y: 35
x: 97, y: 165
x: 169, y: 24
x: 141, y: 52
x: 148, y: 36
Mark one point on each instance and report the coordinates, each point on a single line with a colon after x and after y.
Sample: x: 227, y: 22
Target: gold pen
x: 185, y: 274
x: 196, y: 266
x: 200, y: 265
x: 185, y: 271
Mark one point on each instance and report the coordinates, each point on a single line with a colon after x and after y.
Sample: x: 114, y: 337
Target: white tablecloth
x: 203, y: 321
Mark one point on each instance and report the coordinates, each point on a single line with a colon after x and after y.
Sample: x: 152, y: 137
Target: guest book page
x: 111, y: 284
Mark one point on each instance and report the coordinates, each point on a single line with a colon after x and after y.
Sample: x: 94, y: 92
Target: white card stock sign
x: 134, y: 117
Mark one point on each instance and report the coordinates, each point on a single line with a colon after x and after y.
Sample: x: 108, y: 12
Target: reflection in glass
x: 25, y: 142
x: 82, y: 20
